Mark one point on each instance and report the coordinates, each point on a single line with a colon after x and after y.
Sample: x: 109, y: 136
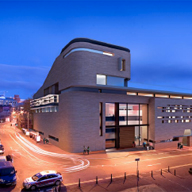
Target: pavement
x: 168, y: 181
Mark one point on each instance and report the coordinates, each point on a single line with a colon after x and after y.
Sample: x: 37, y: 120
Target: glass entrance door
x: 140, y: 135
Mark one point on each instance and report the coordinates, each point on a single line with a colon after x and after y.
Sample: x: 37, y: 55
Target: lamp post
x: 138, y: 159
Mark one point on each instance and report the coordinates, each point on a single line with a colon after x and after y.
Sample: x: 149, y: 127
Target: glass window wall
x: 115, y: 81
x: 140, y: 134
x: 122, y: 114
x: 133, y: 114
x: 109, y: 114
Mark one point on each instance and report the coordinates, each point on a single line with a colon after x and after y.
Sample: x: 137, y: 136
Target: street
x: 30, y: 158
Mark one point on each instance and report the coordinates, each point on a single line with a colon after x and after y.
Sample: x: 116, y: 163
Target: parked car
x: 9, y: 158
x: 6, y: 158
x: 7, y: 173
x: 1, y: 149
x: 42, y: 179
x: 3, y: 159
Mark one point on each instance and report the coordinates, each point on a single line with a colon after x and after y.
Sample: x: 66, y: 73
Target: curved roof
x: 94, y: 42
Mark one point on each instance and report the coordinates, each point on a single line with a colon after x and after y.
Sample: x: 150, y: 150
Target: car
x: 190, y: 170
x: 6, y: 158
x: 1, y: 149
x: 7, y: 173
x: 3, y: 158
x: 43, y: 178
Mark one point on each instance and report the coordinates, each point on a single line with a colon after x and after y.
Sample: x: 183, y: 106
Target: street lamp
x: 138, y: 159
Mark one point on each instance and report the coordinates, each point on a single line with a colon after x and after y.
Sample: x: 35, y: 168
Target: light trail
x: 82, y: 163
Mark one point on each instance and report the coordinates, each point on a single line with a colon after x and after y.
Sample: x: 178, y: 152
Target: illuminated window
x: 145, y: 94
x: 131, y: 93
x: 187, y: 97
x: 101, y: 79
x: 175, y: 97
x: 121, y: 64
x: 159, y: 95
x: 108, y: 53
x: 89, y: 50
x: 109, y: 114
x: 111, y: 80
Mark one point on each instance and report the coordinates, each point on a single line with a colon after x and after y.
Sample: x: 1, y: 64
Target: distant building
x: 85, y: 101
x: 8, y: 101
x: 17, y: 98
x: 6, y: 106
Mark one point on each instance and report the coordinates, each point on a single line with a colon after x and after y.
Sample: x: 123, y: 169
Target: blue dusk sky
x: 158, y: 33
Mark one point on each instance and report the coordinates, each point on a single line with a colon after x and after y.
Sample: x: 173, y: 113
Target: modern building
x: 7, y: 101
x: 85, y: 100
x: 6, y: 105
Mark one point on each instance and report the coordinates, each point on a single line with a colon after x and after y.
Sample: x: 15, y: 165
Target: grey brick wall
x: 81, y: 67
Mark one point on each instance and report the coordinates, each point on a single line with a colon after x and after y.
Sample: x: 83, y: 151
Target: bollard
x: 96, y: 180
x: 79, y: 183
x: 151, y: 173
x: 175, y: 172
x: 168, y: 169
x: 161, y: 172
x: 125, y: 176
x: 111, y: 178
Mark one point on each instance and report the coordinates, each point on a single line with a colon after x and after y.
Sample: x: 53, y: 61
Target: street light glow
x: 82, y: 163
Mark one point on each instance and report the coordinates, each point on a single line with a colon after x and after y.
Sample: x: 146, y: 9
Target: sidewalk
x: 107, y: 154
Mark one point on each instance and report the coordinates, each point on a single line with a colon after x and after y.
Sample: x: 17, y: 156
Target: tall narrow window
x: 121, y: 64
x: 133, y: 114
x: 100, y: 119
x: 109, y: 114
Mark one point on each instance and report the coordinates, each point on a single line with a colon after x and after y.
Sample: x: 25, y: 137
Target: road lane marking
x: 155, y: 159
x: 82, y: 163
x: 177, y: 166
x: 154, y: 164
x: 28, y: 152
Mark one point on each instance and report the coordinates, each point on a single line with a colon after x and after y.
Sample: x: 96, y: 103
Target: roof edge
x: 95, y: 42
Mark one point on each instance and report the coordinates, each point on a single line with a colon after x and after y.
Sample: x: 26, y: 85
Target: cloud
x: 175, y: 77
x: 21, y: 79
